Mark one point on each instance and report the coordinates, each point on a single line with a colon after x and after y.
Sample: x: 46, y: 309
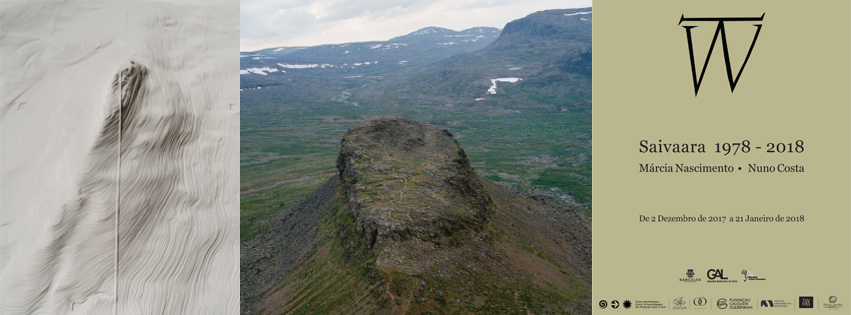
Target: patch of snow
x: 425, y: 31
x: 393, y: 46
x: 279, y: 49
x: 577, y: 13
x: 584, y: 19
x: 259, y: 70
x: 446, y: 44
x: 492, y: 89
x: 346, y: 52
x: 512, y: 80
x: 480, y: 99
x: 375, y: 47
x: 403, y: 62
x: 306, y: 66
x: 514, y: 68
x: 241, y: 72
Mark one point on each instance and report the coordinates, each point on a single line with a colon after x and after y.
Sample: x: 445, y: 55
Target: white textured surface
x: 492, y: 89
x: 306, y: 66
x: 262, y: 71
x: 577, y: 13
x: 169, y: 200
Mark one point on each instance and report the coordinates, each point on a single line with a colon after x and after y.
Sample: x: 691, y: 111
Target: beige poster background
x: 796, y: 86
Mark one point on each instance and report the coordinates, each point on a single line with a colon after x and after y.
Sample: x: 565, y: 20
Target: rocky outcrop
x: 406, y: 180
x: 408, y: 226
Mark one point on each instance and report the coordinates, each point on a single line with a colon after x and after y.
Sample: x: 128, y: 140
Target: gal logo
x: 715, y: 273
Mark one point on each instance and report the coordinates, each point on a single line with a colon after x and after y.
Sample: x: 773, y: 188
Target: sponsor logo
x: 717, y: 276
x: 715, y: 273
x: 639, y: 304
x: 740, y: 303
x: 775, y: 303
x: 805, y: 302
x: 615, y: 304
x: 833, y: 305
x: 722, y: 303
x: 699, y: 301
x: 690, y: 277
x: 603, y: 304
x: 627, y: 304
x: 719, y: 30
x: 748, y: 275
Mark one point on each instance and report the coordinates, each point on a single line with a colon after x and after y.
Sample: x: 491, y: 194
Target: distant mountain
x: 569, y: 25
x: 544, y: 59
x: 540, y: 61
x: 421, y: 47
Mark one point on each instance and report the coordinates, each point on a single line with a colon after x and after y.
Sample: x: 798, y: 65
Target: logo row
x: 717, y: 276
x: 683, y: 303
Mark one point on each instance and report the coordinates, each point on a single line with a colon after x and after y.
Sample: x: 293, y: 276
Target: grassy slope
x: 341, y: 278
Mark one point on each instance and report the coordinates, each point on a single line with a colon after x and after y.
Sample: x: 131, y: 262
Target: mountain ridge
x: 549, y: 50
x: 401, y: 38
x: 422, y: 46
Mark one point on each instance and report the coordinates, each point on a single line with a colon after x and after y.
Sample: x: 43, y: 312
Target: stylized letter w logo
x: 718, y: 30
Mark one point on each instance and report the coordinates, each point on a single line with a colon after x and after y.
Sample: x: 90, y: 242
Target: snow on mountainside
x: 577, y: 13
x: 550, y: 50
x: 423, y: 46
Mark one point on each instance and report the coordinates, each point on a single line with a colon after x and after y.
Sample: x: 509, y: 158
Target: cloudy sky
x: 273, y: 23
